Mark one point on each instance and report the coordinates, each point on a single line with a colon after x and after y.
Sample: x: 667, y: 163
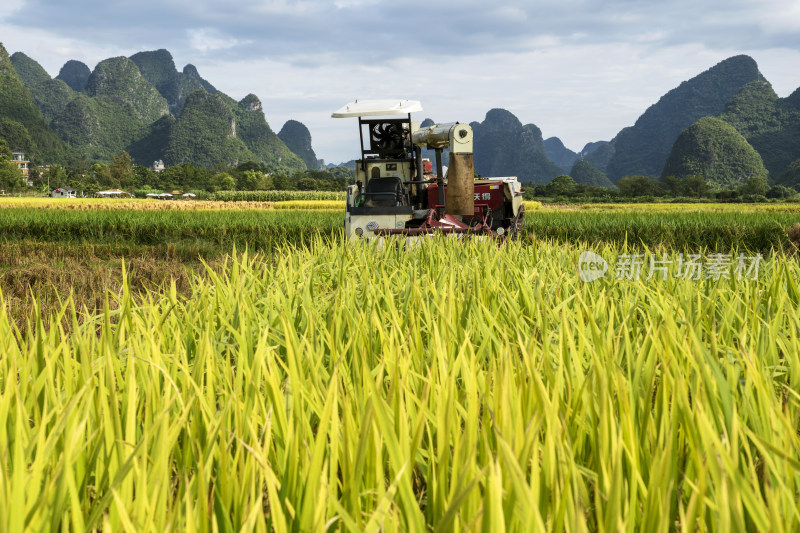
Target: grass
x: 456, y: 387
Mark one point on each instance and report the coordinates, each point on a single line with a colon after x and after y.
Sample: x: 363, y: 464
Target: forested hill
x: 756, y: 135
x: 142, y: 105
x: 158, y: 68
x: 644, y: 147
x: 713, y: 149
x: 770, y: 124
x: 146, y: 106
x: 505, y: 147
x: 21, y: 122
x: 297, y: 137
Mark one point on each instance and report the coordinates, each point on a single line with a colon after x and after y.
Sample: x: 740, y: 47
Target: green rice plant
x: 219, y: 229
x: 451, y: 385
x: 721, y: 230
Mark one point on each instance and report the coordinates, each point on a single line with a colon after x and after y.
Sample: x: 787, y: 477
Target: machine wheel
x: 515, y: 229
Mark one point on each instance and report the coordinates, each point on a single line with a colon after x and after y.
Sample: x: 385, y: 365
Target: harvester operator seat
x: 384, y: 192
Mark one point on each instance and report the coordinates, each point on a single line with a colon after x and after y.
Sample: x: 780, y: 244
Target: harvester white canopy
x: 378, y: 108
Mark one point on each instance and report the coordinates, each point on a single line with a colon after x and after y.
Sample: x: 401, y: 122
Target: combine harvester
x: 398, y: 193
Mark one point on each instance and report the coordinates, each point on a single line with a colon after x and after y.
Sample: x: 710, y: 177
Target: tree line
x: 643, y: 188
x: 122, y: 173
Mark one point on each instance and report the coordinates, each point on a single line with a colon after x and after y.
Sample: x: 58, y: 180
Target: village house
x: 18, y: 158
x: 64, y: 192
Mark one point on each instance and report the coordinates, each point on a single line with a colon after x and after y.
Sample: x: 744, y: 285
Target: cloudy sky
x: 579, y: 69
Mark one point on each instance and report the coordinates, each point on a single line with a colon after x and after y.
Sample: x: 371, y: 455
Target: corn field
x: 457, y: 387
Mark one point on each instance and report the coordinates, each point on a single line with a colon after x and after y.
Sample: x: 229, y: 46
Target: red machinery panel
x: 490, y: 194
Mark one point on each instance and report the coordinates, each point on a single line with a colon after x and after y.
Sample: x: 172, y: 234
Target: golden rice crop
x: 337, y: 205
x: 451, y: 386
x: 678, y: 206
x: 277, y: 196
x: 84, y: 204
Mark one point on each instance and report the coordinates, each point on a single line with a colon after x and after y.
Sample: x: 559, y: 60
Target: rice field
x: 138, y: 204
x: 277, y: 196
x: 457, y: 387
x: 311, y: 384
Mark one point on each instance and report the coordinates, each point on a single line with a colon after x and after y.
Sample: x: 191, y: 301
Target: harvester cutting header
x: 397, y: 192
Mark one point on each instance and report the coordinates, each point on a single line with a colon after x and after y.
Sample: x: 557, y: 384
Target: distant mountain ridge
x: 503, y: 146
x: 559, y: 154
x: 158, y: 68
x: 50, y: 95
x: 713, y: 149
x: 75, y: 74
x: 146, y: 106
x: 143, y: 105
x: 114, y: 111
x: 565, y: 158
x: 21, y: 122
x: 298, y: 139
x: 770, y: 124
x: 756, y: 135
x: 644, y: 147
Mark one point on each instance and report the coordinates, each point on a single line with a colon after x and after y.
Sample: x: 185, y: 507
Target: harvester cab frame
x: 397, y: 193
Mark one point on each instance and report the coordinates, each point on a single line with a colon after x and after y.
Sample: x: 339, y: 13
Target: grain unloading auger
x: 397, y: 192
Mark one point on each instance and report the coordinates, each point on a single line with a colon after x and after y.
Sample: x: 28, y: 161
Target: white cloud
x: 208, y: 40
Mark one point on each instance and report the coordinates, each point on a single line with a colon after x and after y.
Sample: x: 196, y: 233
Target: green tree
x: 674, y: 186
x: 696, y: 187
x: 10, y: 177
x: 101, y: 174
x: 5, y: 151
x: 249, y: 180
x: 121, y: 170
x: 55, y: 176
x: 560, y: 186
x: 280, y: 182
x: 223, y: 182
x: 781, y: 192
x: 249, y: 165
x: 144, y: 176
x: 307, y: 184
x: 632, y: 186
x: 755, y: 186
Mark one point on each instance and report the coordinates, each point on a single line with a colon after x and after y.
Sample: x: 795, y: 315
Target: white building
x: 64, y: 192
x: 18, y: 158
